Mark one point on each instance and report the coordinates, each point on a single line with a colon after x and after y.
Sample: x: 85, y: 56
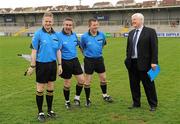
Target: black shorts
x: 46, y: 71
x: 71, y: 67
x: 94, y: 64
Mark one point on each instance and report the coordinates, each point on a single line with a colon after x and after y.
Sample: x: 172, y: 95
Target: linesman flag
x: 25, y: 56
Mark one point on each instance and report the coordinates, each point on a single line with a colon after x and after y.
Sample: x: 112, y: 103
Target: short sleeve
x: 60, y: 40
x: 35, y: 41
x: 60, y: 44
x: 82, y: 42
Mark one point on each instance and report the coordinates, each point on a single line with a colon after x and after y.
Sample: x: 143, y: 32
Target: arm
x: 104, y: 40
x: 81, y: 49
x: 81, y: 44
x: 78, y: 43
x: 154, y: 49
x: 34, y: 46
x: 59, y: 57
x: 33, y: 57
x: 32, y: 67
x: 59, y: 71
x: 127, y: 47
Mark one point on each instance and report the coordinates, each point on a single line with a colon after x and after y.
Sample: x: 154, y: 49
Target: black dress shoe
x: 152, y: 109
x: 133, y: 107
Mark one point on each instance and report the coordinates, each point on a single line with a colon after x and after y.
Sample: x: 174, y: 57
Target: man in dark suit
x: 141, y: 55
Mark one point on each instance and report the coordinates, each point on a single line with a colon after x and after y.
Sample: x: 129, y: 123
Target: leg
x: 134, y: 79
x: 150, y: 89
x: 39, y: 101
x: 50, y: 88
x: 66, y: 91
x: 40, y: 85
x: 41, y: 79
x: 40, y: 96
x: 88, y: 78
x: 89, y: 69
x: 79, y: 86
x: 49, y: 95
x: 77, y: 71
x: 103, y: 84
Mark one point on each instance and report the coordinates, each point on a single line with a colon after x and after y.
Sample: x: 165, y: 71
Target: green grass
x: 17, y: 92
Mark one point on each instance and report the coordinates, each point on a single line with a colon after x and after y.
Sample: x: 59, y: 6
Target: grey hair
x: 139, y: 15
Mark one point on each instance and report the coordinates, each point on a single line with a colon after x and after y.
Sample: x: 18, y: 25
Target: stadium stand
x: 167, y: 3
x: 102, y: 5
x: 53, y: 8
x: 43, y: 8
x: 163, y: 16
x: 6, y: 10
x: 152, y: 3
x: 23, y: 10
x: 130, y: 3
x: 127, y: 4
x: 138, y: 5
x: 120, y: 3
x: 19, y: 9
x: 71, y: 8
x: 61, y: 7
x: 28, y: 9
x: 80, y: 7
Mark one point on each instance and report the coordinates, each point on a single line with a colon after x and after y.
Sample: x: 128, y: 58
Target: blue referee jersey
x: 92, y: 45
x: 69, y: 43
x: 46, y: 45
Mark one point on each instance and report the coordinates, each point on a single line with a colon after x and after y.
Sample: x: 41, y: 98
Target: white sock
x: 67, y: 101
x: 104, y: 95
x: 77, y: 97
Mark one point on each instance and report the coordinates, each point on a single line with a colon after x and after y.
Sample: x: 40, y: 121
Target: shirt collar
x: 91, y: 34
x: 51, y: 32
x: 65, y: 32
x: 140, y: 29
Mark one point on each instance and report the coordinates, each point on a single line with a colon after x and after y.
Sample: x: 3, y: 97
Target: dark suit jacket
x: 147, y: 49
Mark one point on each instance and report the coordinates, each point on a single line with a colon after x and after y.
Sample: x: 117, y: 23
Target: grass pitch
x: 17, y: 92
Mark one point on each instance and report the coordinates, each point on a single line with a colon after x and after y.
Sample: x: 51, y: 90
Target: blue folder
x: 153, y: 73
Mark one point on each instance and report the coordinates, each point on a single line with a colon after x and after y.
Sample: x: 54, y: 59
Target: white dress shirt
x: 139, y: 32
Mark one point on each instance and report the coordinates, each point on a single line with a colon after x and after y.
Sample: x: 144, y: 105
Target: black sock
x: 66, y: 92
x: 104, y: 88
x: 87, y: 91
x: 39, y: 100
x: 78, y: 89
x: 49, y: 99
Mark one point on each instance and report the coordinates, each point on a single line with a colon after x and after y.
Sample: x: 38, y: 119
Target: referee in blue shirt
x: 45, y: 51
x: 92, y: 43
x: 70, y: 63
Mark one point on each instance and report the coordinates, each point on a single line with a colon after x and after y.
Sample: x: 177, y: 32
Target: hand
x: 29, y: 71
x: 153, y: 66
x: 59, y: 71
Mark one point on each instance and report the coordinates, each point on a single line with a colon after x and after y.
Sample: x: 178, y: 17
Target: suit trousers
x: 135, y: 76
